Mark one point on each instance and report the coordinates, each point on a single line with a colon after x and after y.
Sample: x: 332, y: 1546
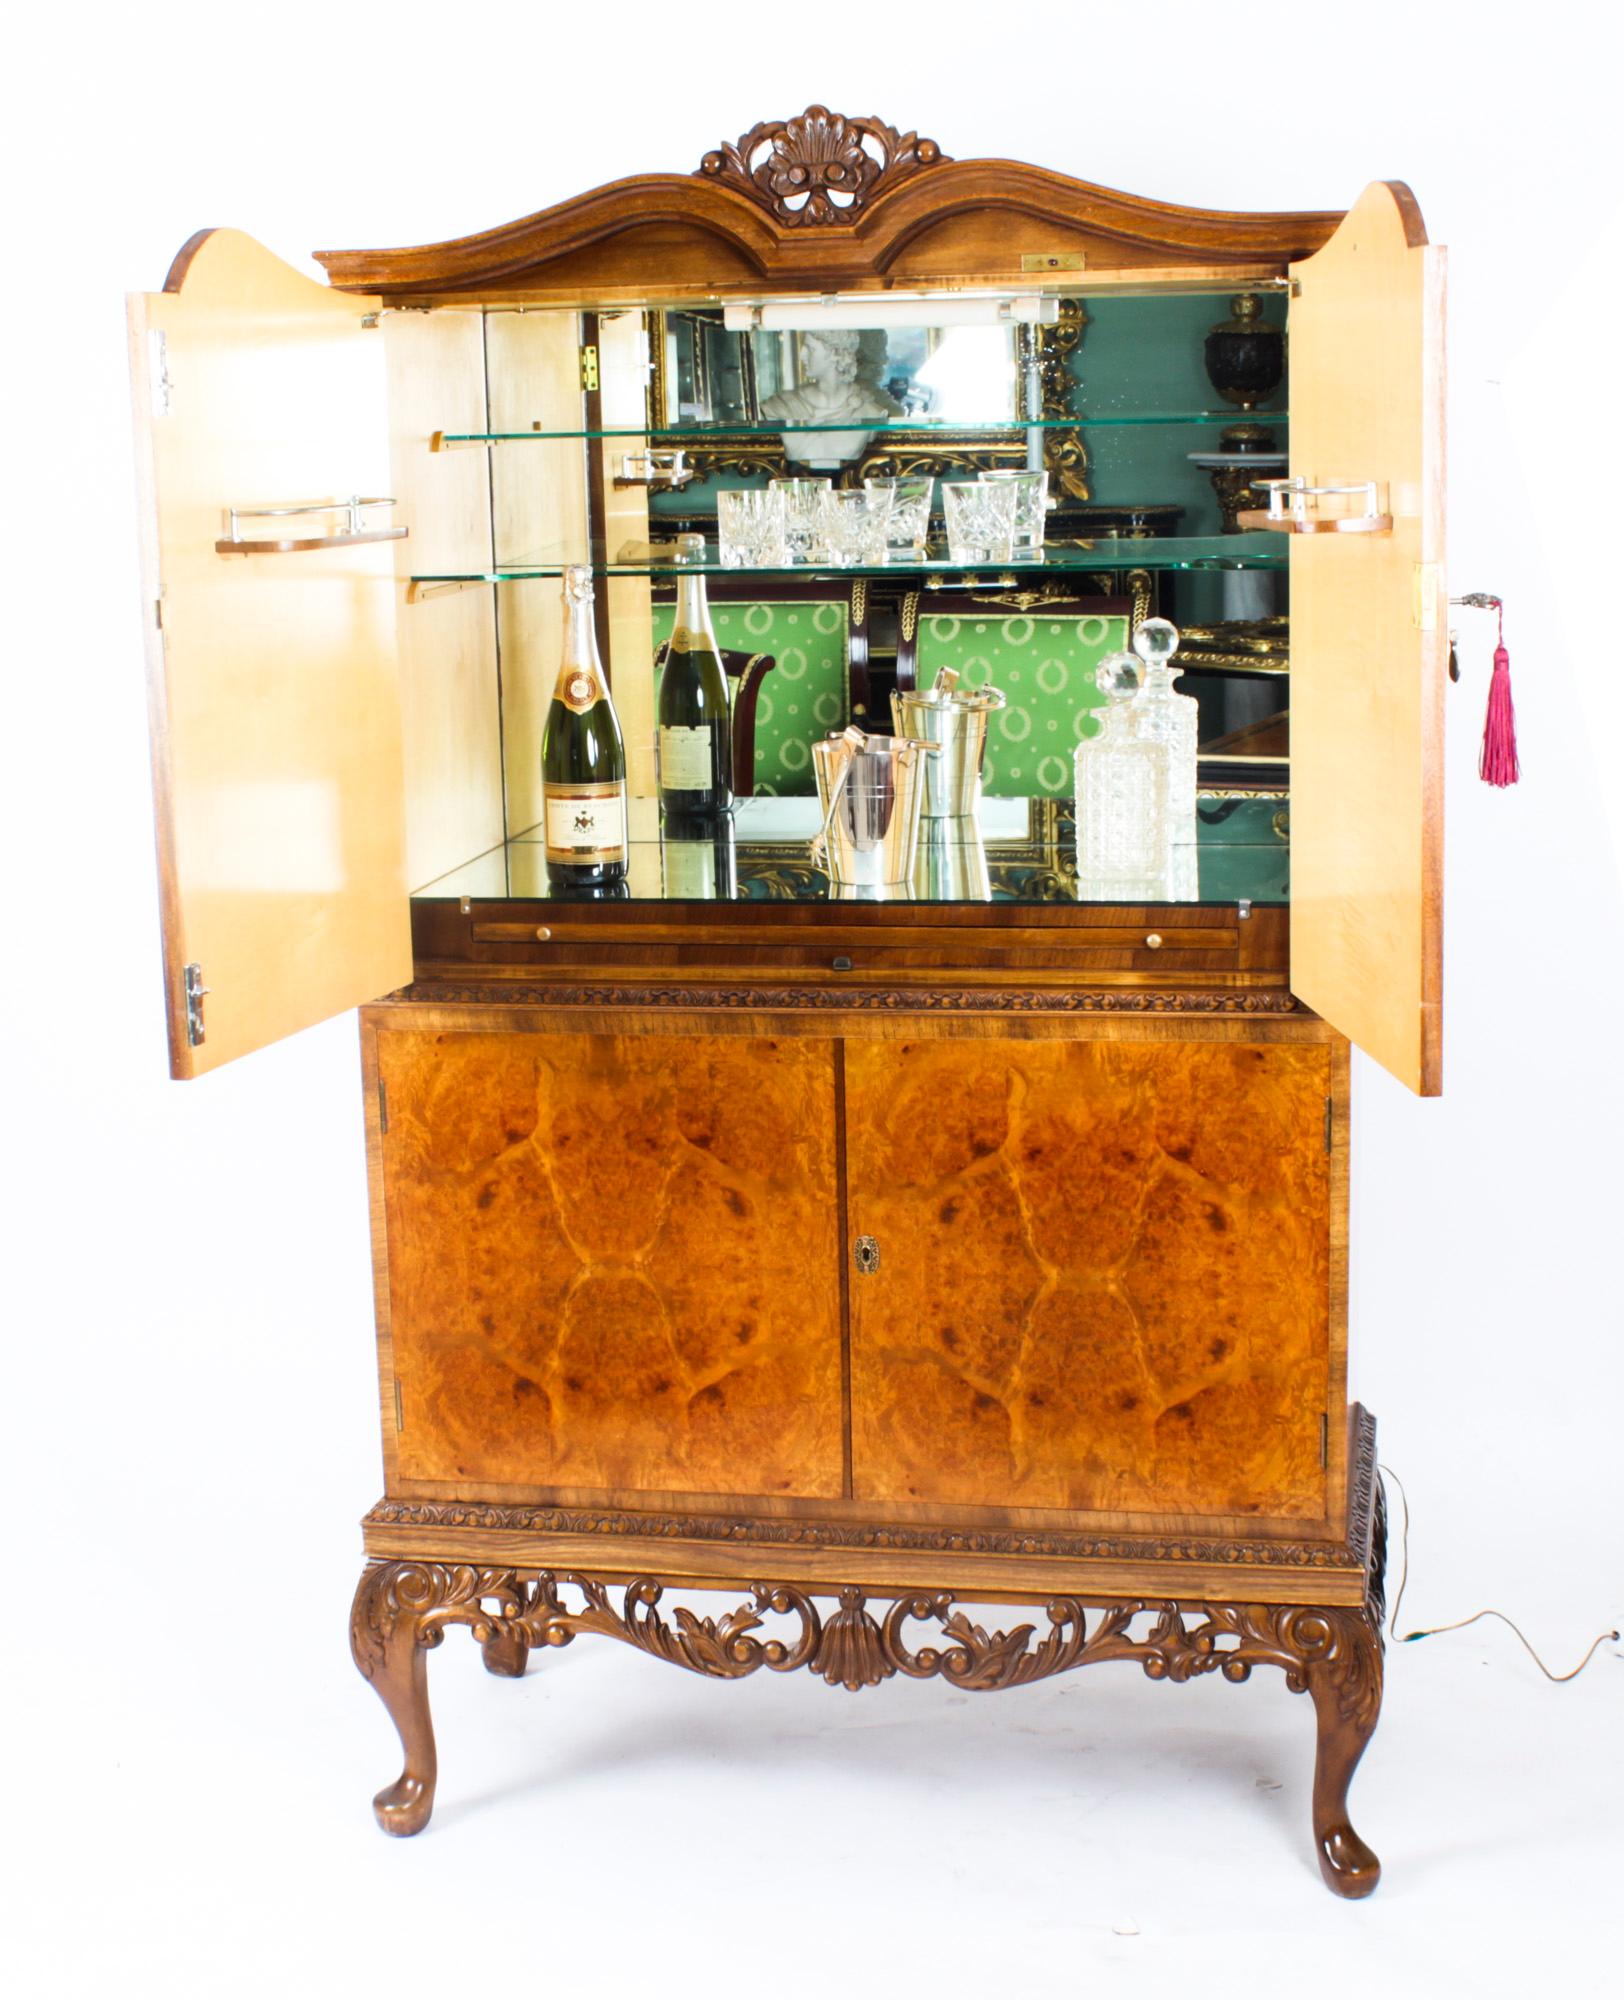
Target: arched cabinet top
x: 824, y: 201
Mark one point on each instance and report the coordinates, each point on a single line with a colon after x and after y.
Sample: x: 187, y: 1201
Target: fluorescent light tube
x: 858, y: 312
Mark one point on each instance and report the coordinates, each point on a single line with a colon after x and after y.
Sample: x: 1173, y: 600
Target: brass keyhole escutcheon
x: 866, y: 1254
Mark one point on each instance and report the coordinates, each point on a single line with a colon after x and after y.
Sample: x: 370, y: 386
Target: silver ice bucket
x: 871, y: 789
x: 950, y: 865
x: 956, y: 718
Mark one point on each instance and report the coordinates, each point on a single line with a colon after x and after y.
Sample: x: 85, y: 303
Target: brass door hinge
x: 383, y: 1106
x: 400, y: 1419
x: 195, y: 990
x: 158, y: 370
x: 589, y: 369
x: 1330, y: 1122
x: 1325, y: 1440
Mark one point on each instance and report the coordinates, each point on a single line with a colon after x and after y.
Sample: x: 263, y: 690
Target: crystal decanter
x: 1162, y: 715
x: 1122, y: 789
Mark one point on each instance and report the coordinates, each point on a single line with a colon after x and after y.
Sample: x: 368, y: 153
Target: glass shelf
x: 698, y: 434
x: 1261, y: 550
x: 1025, y: 854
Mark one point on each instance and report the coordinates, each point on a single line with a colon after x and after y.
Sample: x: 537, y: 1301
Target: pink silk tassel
x: 1497, y: 761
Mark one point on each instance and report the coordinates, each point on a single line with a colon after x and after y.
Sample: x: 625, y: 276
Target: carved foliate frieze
x: 856, y: 1647
x: 820, y: 168
x: 862, y: 999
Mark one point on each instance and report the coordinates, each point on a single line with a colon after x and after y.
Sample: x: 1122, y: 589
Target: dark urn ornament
x: 1245, y: 357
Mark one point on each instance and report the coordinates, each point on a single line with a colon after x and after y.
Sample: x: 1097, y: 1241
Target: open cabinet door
x: 274, y: 707
x: 1368, y: 641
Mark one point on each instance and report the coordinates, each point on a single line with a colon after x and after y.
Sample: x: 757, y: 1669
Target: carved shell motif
x: 821, y: 167
x: 851, y: 1653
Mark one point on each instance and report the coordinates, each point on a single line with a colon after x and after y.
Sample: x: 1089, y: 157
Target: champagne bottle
x: 583, y: 760
x: 694, y: 744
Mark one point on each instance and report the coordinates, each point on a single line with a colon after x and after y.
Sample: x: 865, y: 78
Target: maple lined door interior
x: 274, y: 702
x: 1369, y: 639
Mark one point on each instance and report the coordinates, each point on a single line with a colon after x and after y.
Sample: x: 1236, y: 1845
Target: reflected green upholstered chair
x: 806, y: 695
x: 1044, y: 661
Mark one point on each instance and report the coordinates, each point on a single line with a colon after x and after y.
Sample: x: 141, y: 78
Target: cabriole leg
x: 388, y: 1643
x: 1346, y: 1686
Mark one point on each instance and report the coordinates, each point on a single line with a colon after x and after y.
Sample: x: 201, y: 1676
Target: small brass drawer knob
x: 1154, y: 941
x: 543, y: 934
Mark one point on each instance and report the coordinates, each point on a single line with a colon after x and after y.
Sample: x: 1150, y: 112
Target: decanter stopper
x: 1156, y: 641
x: 1119, y: 677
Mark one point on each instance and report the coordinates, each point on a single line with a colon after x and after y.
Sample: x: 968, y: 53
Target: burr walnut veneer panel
x: 613, y: 1260
x: 1104, y: 1277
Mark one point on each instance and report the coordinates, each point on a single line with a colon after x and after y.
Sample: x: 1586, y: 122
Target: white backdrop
x: 191, y: 1403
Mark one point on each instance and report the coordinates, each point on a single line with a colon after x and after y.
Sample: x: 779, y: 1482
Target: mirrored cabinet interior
x: 870, y: 1248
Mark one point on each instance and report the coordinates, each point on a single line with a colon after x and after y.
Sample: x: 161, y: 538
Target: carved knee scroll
x: 1334, y: 1655
x: 400, y: 1610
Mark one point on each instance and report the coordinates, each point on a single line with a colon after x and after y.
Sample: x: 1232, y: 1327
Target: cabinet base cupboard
x: 874, y: 1262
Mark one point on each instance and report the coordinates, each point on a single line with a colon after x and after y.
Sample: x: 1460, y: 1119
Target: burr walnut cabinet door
x: 1103, y: 1279
x: 272, y: 694
x: 1369, y: 622
x: 613, y: 1261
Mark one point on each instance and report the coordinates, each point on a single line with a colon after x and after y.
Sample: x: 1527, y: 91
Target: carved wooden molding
x: 821, y: 167
x: 855, y: 1535
x: 860, y: 999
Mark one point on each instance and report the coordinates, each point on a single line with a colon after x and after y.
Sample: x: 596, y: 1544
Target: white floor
x: 609, y: 1824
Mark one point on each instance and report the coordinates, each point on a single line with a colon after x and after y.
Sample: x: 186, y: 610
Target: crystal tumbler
x: 980, y: 520
x: 750, y: 529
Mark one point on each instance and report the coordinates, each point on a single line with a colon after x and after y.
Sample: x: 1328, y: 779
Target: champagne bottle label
x: 688, y: 869
x: 685, y: 757
x: 580, y: 689
x: 586, y: 823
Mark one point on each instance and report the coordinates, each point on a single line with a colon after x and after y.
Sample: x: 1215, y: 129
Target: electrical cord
x: 1460, y: 1624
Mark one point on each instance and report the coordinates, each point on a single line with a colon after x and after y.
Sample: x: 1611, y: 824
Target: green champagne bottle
x: 694, y: 741
x: 583, y: 760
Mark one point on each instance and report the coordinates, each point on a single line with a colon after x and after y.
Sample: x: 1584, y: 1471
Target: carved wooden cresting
x: 820, y: 168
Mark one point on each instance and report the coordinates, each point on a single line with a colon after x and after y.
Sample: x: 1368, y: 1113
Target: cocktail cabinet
x: 861, y: 1256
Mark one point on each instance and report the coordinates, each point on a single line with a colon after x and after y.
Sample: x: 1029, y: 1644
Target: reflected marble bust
x: 832, y: 389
